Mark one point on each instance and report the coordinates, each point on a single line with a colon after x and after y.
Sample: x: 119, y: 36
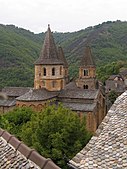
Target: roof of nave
x: 15, y: 154
x: 37, y: 95
x: 108, y: 147
x: 49, y: 54
x: 15, y: 91
x: 83, y: 107
x: 87, y: 58
x: 73, y: 92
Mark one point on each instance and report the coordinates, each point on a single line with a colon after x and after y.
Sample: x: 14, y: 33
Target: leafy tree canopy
x: 56, y: 133
x: 112, y: 96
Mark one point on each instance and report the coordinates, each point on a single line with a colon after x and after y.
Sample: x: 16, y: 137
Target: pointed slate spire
x: 87, y: 59
x: 49, y: 54
x: 61, y: 56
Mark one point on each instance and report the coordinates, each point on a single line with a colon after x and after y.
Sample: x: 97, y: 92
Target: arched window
x: 65, y: 72
x: 85, y: 72
x: 53, y: 71
x: 85, y: 86
x: 60, y: 70
x: 44, y: 71
x: 53, y: 84
x: 43, y: 83
x: 61, y: 84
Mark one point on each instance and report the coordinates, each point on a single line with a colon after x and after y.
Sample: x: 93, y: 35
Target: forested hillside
x: 19, y: 48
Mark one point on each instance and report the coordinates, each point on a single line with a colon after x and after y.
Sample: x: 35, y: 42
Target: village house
x: 51, y: 84
x: 115, y: 83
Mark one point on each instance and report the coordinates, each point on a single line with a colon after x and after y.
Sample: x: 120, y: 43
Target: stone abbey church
x: 51, y: 84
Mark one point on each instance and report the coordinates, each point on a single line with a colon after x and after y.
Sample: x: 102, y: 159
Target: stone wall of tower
x: 52, y: 82
x: 87, y: 80
x: 90, y: 82
x: 91, y: 72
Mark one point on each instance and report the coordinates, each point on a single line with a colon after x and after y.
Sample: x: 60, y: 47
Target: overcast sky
x: 62, y: 15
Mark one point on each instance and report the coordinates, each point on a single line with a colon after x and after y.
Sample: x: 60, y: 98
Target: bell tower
x: 51, y: 65
x: 87, y: 71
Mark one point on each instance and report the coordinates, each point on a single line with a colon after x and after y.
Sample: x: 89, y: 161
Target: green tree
x: 56, y: 133
x: 15, y: 119
x: 112, y: 96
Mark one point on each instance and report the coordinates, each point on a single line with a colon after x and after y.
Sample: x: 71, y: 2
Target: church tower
x: 87, y: 71
x: 51, y: 68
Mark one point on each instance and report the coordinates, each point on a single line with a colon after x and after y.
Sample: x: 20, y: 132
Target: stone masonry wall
x: 107, y: 149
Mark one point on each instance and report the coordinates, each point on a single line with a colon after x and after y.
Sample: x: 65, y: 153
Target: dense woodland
x: 19, y: 48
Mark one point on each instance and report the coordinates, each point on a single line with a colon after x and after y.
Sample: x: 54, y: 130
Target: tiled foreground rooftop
x: 16, y: 155
x: 107, y: 149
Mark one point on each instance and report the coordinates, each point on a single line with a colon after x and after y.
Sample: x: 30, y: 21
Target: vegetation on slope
x: 19, y: 48
x: 17, y: 55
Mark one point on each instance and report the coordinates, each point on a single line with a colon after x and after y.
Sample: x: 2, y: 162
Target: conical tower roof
x: 87, y: 59
x: 49, y: 54
x: 61, y: 56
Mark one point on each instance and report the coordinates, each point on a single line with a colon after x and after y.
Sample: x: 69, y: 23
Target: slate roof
x: 78, y: 94
x: 16, y: 155
x: 37, y: 95
x: 112, y: 77
x: 87, y: 59
x: 71, y: 86
x: 108, y: 147
x: 49, y: 53
x: 80, y: 106
x: 61, y: 56
x: 118, y: 86
x: 7, y: 103
x: 15, y: 91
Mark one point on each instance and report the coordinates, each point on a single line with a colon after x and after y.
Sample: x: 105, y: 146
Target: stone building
x: 51, y: 68
x: 51, y: 84
x: 115, y: 83
x: 107, y: 149
x: 123, y: 73
x: 10, y: 94
x: 87, y: 72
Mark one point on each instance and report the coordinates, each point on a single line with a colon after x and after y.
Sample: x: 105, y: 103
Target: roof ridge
x: 29, y: 153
